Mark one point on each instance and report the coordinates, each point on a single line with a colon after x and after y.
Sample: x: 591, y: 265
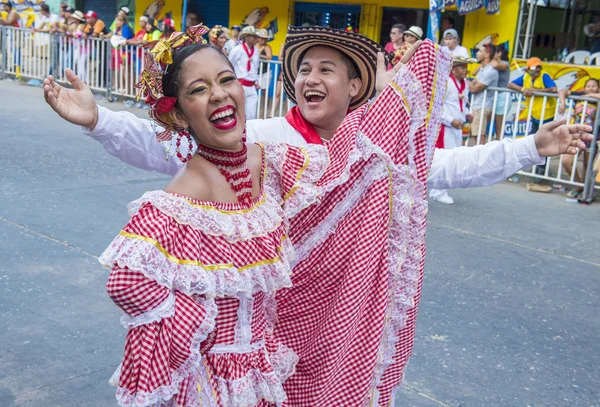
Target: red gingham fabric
x: 336, y: 314
x: 350, y: 314
x: 169, y: 353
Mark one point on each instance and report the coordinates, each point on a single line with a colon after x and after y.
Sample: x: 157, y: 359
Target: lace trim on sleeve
x: 190, y: 367
x: 164, y: 310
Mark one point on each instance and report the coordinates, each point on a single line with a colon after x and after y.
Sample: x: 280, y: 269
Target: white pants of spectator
x: 452, y: 139
x: 251, y: 102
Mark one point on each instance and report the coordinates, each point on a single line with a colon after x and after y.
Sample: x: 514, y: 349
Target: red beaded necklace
x: 234, y: 167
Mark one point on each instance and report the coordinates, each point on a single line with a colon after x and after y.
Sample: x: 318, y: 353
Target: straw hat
x: 415, y: 31
x: 78, y: 15
x: 361, y: 50
x: 262, y: 33
x: 248, y: 30
x: 463, y: 61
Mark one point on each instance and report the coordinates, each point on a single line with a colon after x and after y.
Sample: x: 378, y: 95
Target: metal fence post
x: 108, y: 67
x: 3, y: 52
x: 590, y: 179
x: 54, y: 52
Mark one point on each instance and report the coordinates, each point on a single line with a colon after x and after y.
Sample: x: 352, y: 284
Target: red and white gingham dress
x: 197, y: 280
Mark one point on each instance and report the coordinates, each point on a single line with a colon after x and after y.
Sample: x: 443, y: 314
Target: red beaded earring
x: 181, y: 134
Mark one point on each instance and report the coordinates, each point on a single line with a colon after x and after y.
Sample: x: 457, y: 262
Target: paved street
x: 509, y: 314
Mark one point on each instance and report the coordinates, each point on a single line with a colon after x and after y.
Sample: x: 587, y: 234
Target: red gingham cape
x: 350, y: 314
x: 360, y: 249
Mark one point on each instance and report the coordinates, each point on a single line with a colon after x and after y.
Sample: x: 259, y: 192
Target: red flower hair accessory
x: 156, y: 63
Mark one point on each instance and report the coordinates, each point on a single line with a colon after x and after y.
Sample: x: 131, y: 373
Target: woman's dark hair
x: 593, y: 80
x: 503, y: 51
x: 400, y: 27
x: 172, y: 77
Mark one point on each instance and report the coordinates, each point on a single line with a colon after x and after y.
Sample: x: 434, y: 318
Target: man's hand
x: 384, y: 76
x: 562, y: 108
x: 457, y: 124
x: 557, y: 138
x: 74, y: 105
x: 527, y: 91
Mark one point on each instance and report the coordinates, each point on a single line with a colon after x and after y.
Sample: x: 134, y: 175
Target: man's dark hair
x: 593, y: 80
x: 45, y: 8
x: 490, y: 48
x: 450, y: 21
x: 400, y: 27
x: 350, y: 67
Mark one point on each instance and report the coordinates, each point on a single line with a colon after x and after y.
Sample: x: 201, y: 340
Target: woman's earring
x: 181, y: 134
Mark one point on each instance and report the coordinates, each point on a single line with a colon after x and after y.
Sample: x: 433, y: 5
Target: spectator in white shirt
x: 45, y: 21
x: 245, y: 60
x: 234, y: 40
x: 452, y: 45
x: 486, y: 77
x: 455, y: 113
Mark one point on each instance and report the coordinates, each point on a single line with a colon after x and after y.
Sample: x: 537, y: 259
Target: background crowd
x: 479, y: 109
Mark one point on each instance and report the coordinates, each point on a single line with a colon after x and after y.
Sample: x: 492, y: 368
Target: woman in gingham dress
x: 197, y: 267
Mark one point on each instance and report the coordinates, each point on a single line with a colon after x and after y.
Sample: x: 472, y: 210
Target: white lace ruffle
x: 164, y: 310
x: 409, y: 210
x: 442, y: 70
x: 262, y: 218
x: 255, y: 385
x: 250, y: 389
x: 284, y: 362
x: 190, y: 367
x: 305, y: 191
x: 190, y: 279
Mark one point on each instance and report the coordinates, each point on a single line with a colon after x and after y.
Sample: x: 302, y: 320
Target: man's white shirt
x: 459, y: 51
x: 239, y: 60
x: 132, y: 140
x: 451, y: 108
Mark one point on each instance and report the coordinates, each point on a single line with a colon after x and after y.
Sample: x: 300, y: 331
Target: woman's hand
x: 74, y: 105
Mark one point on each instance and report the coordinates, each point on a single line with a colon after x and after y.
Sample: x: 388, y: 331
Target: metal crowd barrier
x: 114, y: 71
x: 517, y: 120
x: 30, y: 55
x: 271, y: 96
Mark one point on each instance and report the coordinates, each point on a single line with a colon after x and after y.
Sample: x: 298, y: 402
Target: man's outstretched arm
x: 485, y: 165
x: 122, y: 134
x: 133, y: 141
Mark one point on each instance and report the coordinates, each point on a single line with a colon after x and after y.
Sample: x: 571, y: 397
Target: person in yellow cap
x: 536, y: 80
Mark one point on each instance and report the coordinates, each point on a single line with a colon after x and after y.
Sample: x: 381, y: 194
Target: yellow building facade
x: 478, y: 26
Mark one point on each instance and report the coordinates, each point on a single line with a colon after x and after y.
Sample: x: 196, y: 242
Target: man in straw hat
x: 244, y: 58
x: 329, y: 73
x: 456, y: 113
